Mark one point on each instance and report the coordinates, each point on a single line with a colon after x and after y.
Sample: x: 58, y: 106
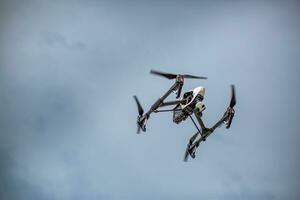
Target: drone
x: 184, y: 107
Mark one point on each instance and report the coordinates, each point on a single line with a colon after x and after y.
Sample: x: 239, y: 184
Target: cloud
x: 57, y: 40
x: 68, y: 72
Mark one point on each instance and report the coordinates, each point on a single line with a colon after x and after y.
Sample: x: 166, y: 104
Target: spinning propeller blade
x: 195, y: 77
x: 138, y: 130
x: 186, y: 155
x: 233, y: 100
x: 166, y: 75
x: 173, y: 76
x: 231, y: 105
x: 140, y: 109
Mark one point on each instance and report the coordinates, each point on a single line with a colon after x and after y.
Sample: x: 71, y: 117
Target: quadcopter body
x: 184, y: 107
x: 191, y: 100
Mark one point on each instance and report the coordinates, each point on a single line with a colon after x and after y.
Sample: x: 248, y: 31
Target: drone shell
x: 197, y: 91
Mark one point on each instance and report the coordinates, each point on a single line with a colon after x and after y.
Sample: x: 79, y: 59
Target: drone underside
x: 190, y: 103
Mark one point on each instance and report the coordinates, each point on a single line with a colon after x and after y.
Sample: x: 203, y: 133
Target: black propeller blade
x: 138, y: 130
x: 173, y: 76
x: 140, y: 109
x: 186, y: 155
x: 195, y: 77
x: 166, y: 75
x: 233, y: 100
x: 231, y: 105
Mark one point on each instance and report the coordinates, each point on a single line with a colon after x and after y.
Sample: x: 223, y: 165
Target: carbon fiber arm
x: 207, y: 131
x: 170, y: 103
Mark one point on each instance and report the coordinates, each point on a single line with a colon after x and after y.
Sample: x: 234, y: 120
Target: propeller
x: 140, y: 111
x: 195, y: 77
x: 166, y: 75
x: 140, y: 108
x: 186, y: 155
x: 233, y: 100
x: 231, y: 105
x: 173, y: 76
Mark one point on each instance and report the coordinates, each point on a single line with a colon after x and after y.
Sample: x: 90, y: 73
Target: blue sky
x: 68, y: 70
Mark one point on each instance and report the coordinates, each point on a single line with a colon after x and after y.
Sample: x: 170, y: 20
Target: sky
x: 69, y: 69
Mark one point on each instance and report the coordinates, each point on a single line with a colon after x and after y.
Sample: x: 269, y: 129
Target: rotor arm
x: 198, y: 116
x: 159, y: 101
x: 201, y: 135
x: 142, y: 118
x: 170, y: 103
x: 220, y: 122
x: 207, y: 131
x: 198, y: 129
x: 223, y: 120
x: 226, y: 118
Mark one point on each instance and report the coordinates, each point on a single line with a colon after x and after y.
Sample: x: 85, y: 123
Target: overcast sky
x: 69, y: 69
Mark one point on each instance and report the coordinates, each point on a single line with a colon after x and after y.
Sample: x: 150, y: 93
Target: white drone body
x: 196, y: 92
